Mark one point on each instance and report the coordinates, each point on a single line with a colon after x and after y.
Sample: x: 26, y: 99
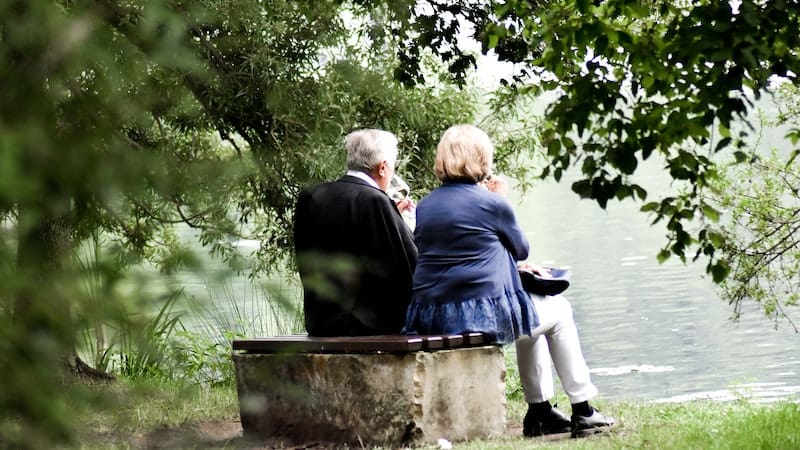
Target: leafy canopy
x: 634, y: 79
x: 125, y: 119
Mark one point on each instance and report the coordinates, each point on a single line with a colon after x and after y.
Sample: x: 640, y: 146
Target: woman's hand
x: 533, y: 267
x: 497, y: 185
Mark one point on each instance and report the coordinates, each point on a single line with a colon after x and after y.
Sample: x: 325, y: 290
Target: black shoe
x: 586, y: 426
x: 552, y: 422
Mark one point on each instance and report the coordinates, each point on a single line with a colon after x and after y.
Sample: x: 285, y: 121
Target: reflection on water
x: 650, y: 331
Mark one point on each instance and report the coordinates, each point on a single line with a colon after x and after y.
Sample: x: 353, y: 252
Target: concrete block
x: 374, y: 399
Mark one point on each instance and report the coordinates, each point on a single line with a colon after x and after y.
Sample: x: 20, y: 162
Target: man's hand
x: 406, y: 204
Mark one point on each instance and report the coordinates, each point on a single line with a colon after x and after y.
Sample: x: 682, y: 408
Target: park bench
x: 390, y: 390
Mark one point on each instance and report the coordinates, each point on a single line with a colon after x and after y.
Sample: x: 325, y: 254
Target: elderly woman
x: 466, y: 280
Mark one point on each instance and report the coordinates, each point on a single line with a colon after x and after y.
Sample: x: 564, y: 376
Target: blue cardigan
x: 466, y: 279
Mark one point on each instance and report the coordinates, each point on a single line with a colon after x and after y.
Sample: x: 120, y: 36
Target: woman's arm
x: 508, y: 230
x: 511, y: 235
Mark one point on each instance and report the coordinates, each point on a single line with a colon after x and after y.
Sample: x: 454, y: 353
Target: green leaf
x: 639, y: 191
x: 493, y: 39
x: 583, y: 188
x: 792, y: 157
x: 720, y: 271
x: 663, y: 255
x: 627, y: 163
x: 716, y: 239
x: 649, y: 207
x: 554, y: 148
x: 710, y: 213
x: 545, y: 172
x: 722, y: 144
x: 568, y: 143
x: 601, y: 44
x: 637, y: 10
x: 623, y: 192
x: 794, y: 136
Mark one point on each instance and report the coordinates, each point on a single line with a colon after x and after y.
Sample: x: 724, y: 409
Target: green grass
x: 130, y: 414
x: 695, y: 425
x: 167, y: 415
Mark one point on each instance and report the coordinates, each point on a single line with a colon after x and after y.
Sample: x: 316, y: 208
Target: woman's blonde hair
x: 464, y: 154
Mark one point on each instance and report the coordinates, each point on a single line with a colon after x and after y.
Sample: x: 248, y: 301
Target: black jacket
x: 356, y: 258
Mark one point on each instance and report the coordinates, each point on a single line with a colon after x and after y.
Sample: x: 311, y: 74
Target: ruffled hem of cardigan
x: 505, y: 317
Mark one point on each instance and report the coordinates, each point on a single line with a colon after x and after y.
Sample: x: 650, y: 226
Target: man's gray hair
x: 367, y: 148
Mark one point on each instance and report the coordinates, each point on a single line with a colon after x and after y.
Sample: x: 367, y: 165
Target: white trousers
x: 556, y: 339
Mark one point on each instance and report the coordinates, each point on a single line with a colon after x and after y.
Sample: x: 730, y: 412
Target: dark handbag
x: 555, y: 281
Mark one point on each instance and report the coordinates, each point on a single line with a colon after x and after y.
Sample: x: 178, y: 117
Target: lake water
x: 652, y: 331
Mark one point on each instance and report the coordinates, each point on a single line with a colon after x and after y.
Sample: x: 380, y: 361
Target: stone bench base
x: 373, y: 399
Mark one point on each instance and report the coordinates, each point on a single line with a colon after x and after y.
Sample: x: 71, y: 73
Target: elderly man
x: 354, y: 252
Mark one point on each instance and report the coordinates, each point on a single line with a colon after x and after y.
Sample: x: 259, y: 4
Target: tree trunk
x: 44, y: 242
x: 42, y: 306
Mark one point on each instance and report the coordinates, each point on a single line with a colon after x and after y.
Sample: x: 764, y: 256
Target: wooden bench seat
x: 301, y: 343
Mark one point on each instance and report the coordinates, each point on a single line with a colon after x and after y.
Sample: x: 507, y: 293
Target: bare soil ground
x: 227, y: 434
x: 220, y: 434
